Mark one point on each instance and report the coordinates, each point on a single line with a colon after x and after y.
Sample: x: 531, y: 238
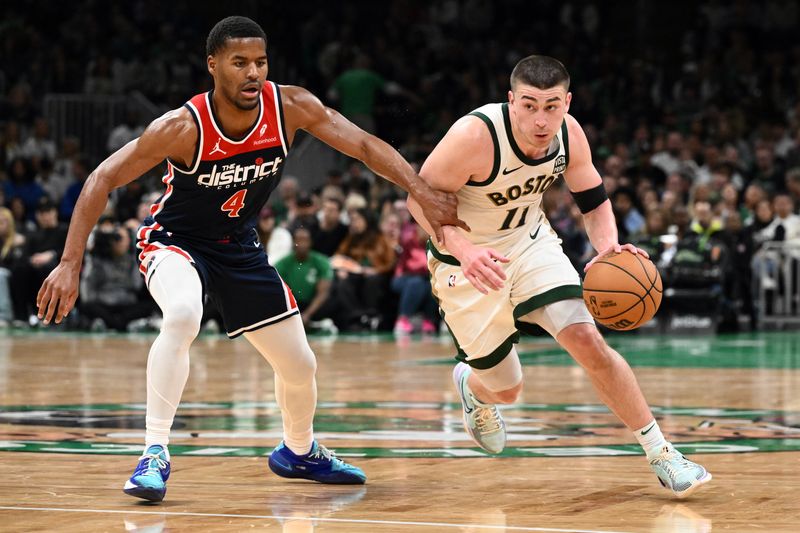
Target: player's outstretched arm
x: 586, y: 186
x: 172, y: 135
x: 466, y: 152
x: 304, y: 111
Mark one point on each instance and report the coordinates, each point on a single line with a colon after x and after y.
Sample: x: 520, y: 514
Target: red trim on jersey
x: 292, y: 301
x: 152, y: 247
x: 265, y: 133
x: 156, y: 208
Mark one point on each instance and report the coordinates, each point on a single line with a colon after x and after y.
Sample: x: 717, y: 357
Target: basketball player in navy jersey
x: 224, y: 153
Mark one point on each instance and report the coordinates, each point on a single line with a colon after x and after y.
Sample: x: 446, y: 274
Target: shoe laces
x: 672, y: 461
x: 487, y: 420
x: 154, y: 457
x: 323, y: 453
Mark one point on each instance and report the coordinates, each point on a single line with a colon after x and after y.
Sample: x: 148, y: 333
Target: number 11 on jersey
x: 512, y: 213
x: 235, y: 203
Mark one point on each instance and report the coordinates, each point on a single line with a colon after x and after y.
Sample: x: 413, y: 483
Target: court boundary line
x: 322, y: 519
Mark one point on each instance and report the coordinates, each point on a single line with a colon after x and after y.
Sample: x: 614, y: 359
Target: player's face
x: 537, y: 114
x: 239, y: 71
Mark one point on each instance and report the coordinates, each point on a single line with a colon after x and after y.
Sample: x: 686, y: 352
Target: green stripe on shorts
x: 564, y: 292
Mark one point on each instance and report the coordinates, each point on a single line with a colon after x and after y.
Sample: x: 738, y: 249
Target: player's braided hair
x: 542, y: 72
x: 232, y: 28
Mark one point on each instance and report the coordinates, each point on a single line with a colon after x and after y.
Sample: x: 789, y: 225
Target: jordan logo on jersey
x: 217, y: 149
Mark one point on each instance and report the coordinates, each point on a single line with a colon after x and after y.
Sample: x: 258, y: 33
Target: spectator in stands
x: 124, y: 133
x: 729, y: 203
x: 767, y: 172
x: 363, y: 265
x: 330, y: 232
x: 762, y: 227
x: 309, y: 275
x: 651, y: 239
x: 629, y: 219
x: 11, y: 143
x: 277, y: 239
x: 20, y: 214
x: 753, y: 194
x: 11, y: 244
x: 668, y: 159
x: 704, y: 228
x: 43, y: 249
x: 303, y: 212
x: 787, y: 223
x: 22, y: 184
x: 411, y: 282
x: 53, y: 184
x: 111, y: 285
x: 39, y: 146
x: 64, y: 163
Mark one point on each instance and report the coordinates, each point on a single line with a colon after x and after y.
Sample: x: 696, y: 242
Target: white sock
x: 176, y: 288
x: 285, y: 347
x: 650, y: 439
x: 297, y: 404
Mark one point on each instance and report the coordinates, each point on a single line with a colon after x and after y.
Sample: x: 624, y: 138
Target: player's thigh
x: 555, y: 317
x: 544, y: 276
x: 480, y: 323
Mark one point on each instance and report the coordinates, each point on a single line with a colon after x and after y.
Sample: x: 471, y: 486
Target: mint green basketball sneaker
x: 677, y: 473
x: 482, y: 421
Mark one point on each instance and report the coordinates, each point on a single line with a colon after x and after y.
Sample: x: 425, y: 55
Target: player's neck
x: 234, y: 122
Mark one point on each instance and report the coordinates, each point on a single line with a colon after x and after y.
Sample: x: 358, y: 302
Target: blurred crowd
x: 692, y: 112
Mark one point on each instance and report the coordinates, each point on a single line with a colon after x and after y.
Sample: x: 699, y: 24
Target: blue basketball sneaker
x: 317, y: 465
x: 149, y: 480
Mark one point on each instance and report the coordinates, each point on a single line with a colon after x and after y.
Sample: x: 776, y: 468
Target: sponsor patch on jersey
x: 560, y: 164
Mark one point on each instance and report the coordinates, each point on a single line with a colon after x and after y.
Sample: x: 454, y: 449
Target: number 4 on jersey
x: 234, y: 204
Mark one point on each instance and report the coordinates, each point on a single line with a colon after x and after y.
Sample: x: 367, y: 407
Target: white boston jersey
x: 504, y: 210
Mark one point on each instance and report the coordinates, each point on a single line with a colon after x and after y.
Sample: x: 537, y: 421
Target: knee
x: 587, y: 346
x: 509, y: 395
x: 301, y: 369
x: 183, y: 319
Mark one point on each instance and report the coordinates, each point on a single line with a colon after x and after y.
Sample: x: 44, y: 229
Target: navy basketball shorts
x: 234, y: 272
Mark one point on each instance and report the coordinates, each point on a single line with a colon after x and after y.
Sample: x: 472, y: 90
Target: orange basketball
x: 622, y: 291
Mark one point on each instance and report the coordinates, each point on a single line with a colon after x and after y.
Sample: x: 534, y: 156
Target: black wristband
x: 590, y: 199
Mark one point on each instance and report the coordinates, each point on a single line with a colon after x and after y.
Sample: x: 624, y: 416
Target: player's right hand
x: 59, y: 291
x: 481, y: 266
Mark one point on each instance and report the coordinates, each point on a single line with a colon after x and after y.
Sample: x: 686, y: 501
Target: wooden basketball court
x: 72, y: 422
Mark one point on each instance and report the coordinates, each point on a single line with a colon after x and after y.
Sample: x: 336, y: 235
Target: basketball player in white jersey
x: 224, y: 153
x: 510, y: 270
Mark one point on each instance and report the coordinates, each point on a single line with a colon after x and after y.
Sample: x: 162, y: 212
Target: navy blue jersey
x: 229, y: 180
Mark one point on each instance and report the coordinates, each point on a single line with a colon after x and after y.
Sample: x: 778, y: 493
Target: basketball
x: 622, y: 291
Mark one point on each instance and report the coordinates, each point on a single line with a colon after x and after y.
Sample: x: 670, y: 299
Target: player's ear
x: 212, y: 64
x: 510, y: 97
x: 567, y: 101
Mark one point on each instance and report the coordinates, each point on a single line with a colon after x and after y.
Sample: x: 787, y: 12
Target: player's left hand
x: 440, y: 209
x: 616, y: 248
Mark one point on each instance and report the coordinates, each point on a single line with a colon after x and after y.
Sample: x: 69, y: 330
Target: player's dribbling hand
x: 616, y: 248
x: 58, y: 293
x: 481, y: 266
x: 440, y: 209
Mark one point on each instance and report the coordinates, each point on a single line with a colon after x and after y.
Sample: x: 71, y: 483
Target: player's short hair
x: 542, y: 72
x: 232, y: 28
